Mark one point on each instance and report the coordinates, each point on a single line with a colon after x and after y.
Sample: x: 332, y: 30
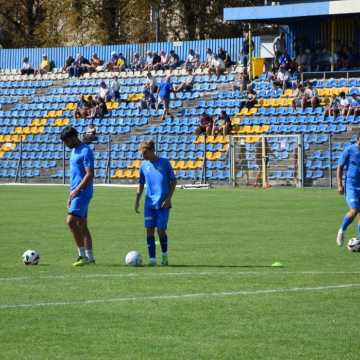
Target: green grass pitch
x: 219, y: 298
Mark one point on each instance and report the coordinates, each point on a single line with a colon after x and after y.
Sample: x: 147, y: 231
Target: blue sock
x: 346, y: 222
x: 164, y: 244
x: 151, y: 246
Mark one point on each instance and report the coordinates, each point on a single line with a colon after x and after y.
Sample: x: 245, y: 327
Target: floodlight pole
x: 333, y: 30
x: 250, y: 52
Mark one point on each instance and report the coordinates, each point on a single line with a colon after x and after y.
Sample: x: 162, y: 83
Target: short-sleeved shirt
x: 81, y: 158
x: 350, y: 159
x: 157, y: 175
x: 165, y: 90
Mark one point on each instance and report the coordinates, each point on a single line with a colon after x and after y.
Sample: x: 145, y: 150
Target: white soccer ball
x: 354, y: 245
x: 133, y: 258
x: 31, y: 257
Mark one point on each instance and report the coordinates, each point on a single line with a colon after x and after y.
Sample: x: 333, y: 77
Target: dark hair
x: 68, y: 132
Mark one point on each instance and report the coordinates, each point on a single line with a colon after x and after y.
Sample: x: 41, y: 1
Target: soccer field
x: 219, y: 298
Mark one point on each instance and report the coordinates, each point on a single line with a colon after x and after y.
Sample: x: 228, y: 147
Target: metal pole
x: 64, y: 155
x: 263, y: 161
x: 204, y: 163
x: 108, y: 165
x: 19, y: 166
x: 332, y: 41
x: 301, y: 161
x: 250, y: 53
x: 330, y: 162
x: 231, y: 180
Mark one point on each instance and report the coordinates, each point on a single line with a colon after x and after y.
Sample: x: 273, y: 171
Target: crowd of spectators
x: 343, y: 105
x: 210, y: 126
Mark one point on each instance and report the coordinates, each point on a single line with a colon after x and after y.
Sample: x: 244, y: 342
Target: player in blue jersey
x: 81, y: 191
x: 350, y: 162
x: 160, y: 181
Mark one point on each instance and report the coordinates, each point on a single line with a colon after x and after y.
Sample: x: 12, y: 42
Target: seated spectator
x: 251, y: 97
x: 149, y: 101
x: 112, y: 62
x: 310, y: 97
x: 206, y: 125
x: 83, y: 108
x: 188, y: 83
x: 26, y: 68
x: 101, y: 109
x: 225, y: 57
x: 224, y: 125
x: 354, y: 108
x: 209, y: 57
x: 149, y: 61
x: 115, y: 88
x: 156, y: 63
x: 282, y: 78
x: 324, y: 61
x: 120, y: 64
x: 217, y: 66
x: 164, y: 60
x: 192, y: 60
x: 174, y: 60
x: 164, y: 91
x: 242, y: 80
x: 45, y: 66
x: 344, y: 104
x: 333, y: 107
x: 95, y: 63
x: 104, y: 92
x: 68, y: 63
x: 137, y: 63
x: 90, y: 135
x: 298, y: 95
x: 79, y: 66
x: 151, y: 80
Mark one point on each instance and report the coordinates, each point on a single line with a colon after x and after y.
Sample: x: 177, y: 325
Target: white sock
x: 164, y: 254
x: 89, y: 254
x: 81, y: 251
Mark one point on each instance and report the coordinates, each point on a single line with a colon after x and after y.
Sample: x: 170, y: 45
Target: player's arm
x: 89, y: 175
x: 172, y: 186
x: 139, y: 192
x: 339, y: 178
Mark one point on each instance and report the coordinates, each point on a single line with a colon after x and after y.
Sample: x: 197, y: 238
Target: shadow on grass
x: 189, y: 266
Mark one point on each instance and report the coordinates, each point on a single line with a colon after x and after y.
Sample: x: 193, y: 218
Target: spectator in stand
x: 324, y: 63
x: 224, y: 124
x: 164, y: 91
x: 192, y: 60
x: 79, y: 66
x: 310, y: 97
x: 282, y: 78
x: 137, y: 63
x: 164, y: 60
x: 95, y: 63
x: 217, y: 66
x: 101, y: 108
x: 174, y: 60
x: 188, y: 83
x: 302, y: 59
x: 354, y: 108
x: 333, y: 108
x: 251, y: 97
x: 344, y: 104
x: 90, y: 135
x: 156, y: 64
x: 225, y: 57
x: 45, y: 66
x: 279, y: 47
x: 245, y: 50
x: 82, y: 108
x: 149, y: 61
x: 208, y: 60
x: 115, y: 88
x: 151, y: 80
x: 298, y: 95
x: 112, y: 62
x: 206, y: 125
x: 26, y: 68
x: 242, y: 80
x: 149, y: 101
x: 104, y: 92
x: 120, y: 64
x: 285, y: 60
x: 68, y: 64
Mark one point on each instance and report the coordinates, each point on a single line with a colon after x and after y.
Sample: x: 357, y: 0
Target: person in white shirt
x: 115, y: 88
x: 104, y: 92
x: 26, y: 68
x: 151, y: 80
x: 344, y: 104
x: 188, y: 83
x: 217, y: 66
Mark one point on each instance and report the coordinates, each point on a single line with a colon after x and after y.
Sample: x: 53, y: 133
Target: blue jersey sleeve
x: 344, y: 159
x: 142, y: 177
x: 88, y: 159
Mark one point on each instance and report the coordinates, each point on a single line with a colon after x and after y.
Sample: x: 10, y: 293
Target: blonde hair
x: 147, y: 145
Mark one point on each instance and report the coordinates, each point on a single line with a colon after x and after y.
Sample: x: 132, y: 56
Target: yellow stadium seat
x: 135, y: 164
x: 15, y: 138
x: 235, y: 121
x: 199, y: 140
x: 190, y: 164
x: 65, y: 122
x: 18, y: 130
x: 173, y: 163
x: 288, y: 93
x: 180, y: 165
x: 2, y: 153
x: 7, y: 138
x: 35, y: 122
x: 252, y: 111
x: 2, y: 138
x: 70, y: 106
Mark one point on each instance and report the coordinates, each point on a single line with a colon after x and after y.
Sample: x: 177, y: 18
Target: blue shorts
x: 156, y: 218
x: 352, y: 195
x: 79, y: 206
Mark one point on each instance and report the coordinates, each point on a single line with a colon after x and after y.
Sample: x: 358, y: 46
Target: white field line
x: 175, y: 274
x: 179, y: 296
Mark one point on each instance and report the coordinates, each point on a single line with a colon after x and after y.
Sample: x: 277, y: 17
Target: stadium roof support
x: 278, y: 12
